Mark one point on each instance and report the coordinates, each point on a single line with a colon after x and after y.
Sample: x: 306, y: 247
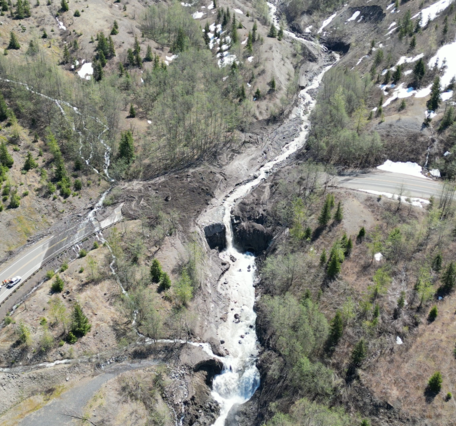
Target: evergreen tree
x: 121, y: 69
x: 449, y: 278
x: 387, y: 78
x: 149, y: 57
x: 102, y: 45
x: 336, y: 330
x: 254, y: 31
x: 20, y: 10
x: 155, y: 271
x: 80, y: 326
x: 249, y: 45
x: 58, y: 284
x: 64, y: 6
x: 4, y: 6
x: 126, y: 147
x: 30, y: 163
x: 242, y: 94
x: 434, y: 102
x: 165, y: 282
x: 435, y: 382
x: 361, y: 234
x: 102, y: 58
x: 3, y: 109
x: 325, y: 214
x: 323, y: 258
x: 257, y: 94
x: 234, y: 33
x: 433, y: 313
x: 138, y: 60
x: 115, y: 29
x: 333, y: 267
x: 280, y: 33
x: 397, y: 74
x: 97, y: 71
x: 44, y: 34
x: 349, y: 247
x: 5, y: 157
x: 413, y: 43
x: 13, y: 43
x: 272, y: 31
x: 137, y: 48
x: 132, y: 113
x: 437, y: 262
x: 130, y: 58
x: 180, y: 43
x: 111, y: 49
x: 272, y: 84
x: 339, y: 215
x: 66, y: 55
x: 206, y: 34
x: 419, y: 70
x: 27, y: 12
x: 359, y: 353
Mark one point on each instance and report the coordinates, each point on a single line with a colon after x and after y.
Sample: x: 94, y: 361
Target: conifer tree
x: 132, y: 113
x: 280, y: 33
x: 155, y: 271
x: 419, y: 70
x: 165, y: 282
x: 4, y: 5
x: 413, y: 43
x: 179, y: 44
x: 5, y: 157
x: 206, y: 34
x: 102, y: 58
x: 115, y: 29
x: 435, y: 382
x: 130, y: 58
x: 111, y: 49
x: 121, y: 69
x: 64, y: 6
x: 449, y: 277
x: 272, y: 84
x: 333, y: 267
x: 66, y: 55
x: 126, y: 147
x: 325, y: 214
x: 80, y: 326
x: 349, y: 247
x: 138, y: 60
x: 234, y: 33
x: 156, y: 62
x: 361, y: 234
x: 3, y: 109
x: 30, y: 163
x: 336, y: 329
x: 434, y: 102
x: 97, y: 71
x: 437, y: 262
x: 44, y: 34
x: 149, y: 57
x: 242, y: 95
x: 254, y: 31
x: 249, y: 45
x: 359, y: 353
x: 13, y: 43
x: 137, y: 48
x: 323, y: 258
x: 339, y: 215
x: 19, y: 10
x: 397, y: 74
x: 272, y: 31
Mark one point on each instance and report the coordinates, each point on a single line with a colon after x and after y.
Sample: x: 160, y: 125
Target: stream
x: 240, y: 377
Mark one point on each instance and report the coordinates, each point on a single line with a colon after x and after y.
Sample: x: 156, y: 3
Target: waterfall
x: 240, y: 377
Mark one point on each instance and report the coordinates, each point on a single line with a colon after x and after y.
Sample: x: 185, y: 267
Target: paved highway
x: 27, y: 262
x: 391, y: 183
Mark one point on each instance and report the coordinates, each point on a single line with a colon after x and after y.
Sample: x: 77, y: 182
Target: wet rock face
x: 211, y: 367
x: 216, y: 236
x: 251, y: 236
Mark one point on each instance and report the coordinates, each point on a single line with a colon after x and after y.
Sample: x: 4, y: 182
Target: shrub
x: 61, y: 343
x: 50, y: 274
x: 64, y: 267
x: 83, y: 253
x: 81, y: 270
x: 8, y: 320
x: 57, y: 285
x: 77, y: 13
x: 435, y: 382
x: 156, y: 271
x: 433, y: 314
x: 71, y: 338
x: 448, y: 396
x: 77, y: 185
x: 43, y: 321
x: 95, y: 245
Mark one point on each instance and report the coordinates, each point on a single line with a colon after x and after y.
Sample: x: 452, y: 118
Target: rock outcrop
x: 216, y: 235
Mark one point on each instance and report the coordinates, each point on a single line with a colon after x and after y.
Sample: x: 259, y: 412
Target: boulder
x: 216, y: 236
x: 252, y: 237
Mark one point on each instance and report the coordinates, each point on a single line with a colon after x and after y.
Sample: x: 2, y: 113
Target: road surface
x: 381, y: 181
x: 27, y: 262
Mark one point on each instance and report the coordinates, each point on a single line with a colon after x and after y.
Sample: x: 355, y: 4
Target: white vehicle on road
x: 13, y: 281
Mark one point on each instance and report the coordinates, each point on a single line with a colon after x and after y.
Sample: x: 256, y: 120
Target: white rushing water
x: 240, y: 377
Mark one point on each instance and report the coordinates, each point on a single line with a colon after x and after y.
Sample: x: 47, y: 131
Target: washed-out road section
x: 30, y: 260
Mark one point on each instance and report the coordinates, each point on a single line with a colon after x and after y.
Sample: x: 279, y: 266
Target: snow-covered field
x: 408, y: 168
x: 448, y: 53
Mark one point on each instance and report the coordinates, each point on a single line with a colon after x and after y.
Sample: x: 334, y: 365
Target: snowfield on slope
x: 431, y: 12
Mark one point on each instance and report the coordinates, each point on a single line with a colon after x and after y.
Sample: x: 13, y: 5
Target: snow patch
x: 405, y: 60
x: 360, y: 59
x: 307, y: 30
x: 250, y: 58
x: 435, y: 172
x: 423, y: 92
x: 416, y: 202
x: 60, y: 23
x: 171, y: 58
x: 326, y: 23
x: 408, y: 168
x: 354, y: 16
x: 446, y: 52
x: 431, y: 12
x: 399, y: 340
x: 378, y: 257
x: 392, y: 25
x: 186, y: 4
x: 446, y: 96
x: 198, y: 15
x: 211, y: 6
x: 239, y: 11
x: 390, y: 6
x: 86, y: 71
